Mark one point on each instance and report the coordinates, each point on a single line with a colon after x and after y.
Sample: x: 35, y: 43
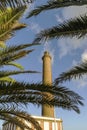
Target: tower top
x: 46, y: 54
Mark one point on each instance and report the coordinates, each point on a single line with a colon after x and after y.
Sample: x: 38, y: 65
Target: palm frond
x: 7, y: 79
x: 2, y: 44
x: 37, y: 94
x: 76, y: 72
x: 13, y: 3
x: 51, y: 4
x: 73, y: 28
x: 8, y: 22
x: 9, y: 73
x: 12, y: 57
x: 14, y: 120
x: 19, y: 117
x: 17, y: 65
x: 10, y: 51
x: 15, y: 48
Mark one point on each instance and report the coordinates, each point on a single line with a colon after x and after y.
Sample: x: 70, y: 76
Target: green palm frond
x: 12, y: 57
x: 51, y: 4
x: 73, y: 28
x: 7, y: 79
x: 2, y: 44
x: 76, y: 72
x: 10, y: 51
x: 13, y: 3
x: 15, y: 48
x: 8, y: 22
x: 8, y: 55
x: 8, y: 73
x: 24, y: 93
x: 17, y: 65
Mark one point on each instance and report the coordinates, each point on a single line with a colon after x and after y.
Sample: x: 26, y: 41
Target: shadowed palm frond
x: 9, y: 22
x: 25, y: 93
x: 73, y: 28
x: 13, y: 120
x: 76, y: 72
x: 51, y: 4
x: 19, y: 118
x: 13, y: 3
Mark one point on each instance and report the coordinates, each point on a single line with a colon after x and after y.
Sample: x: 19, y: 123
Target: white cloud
x: 52, y: 55
x: 29, y: 8
x: 59, y: 18
x: 35, y: 27
x: 68, y: 46
x: 84, y: 56
x: 73, y: 11
x: 81, y: 82
x: 74, y: 62
x: 47, y: 47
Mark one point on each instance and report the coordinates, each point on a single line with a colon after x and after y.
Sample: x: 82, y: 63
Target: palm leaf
x: 13, y: 3
x: 7, y: 79
x: 12, y: 57
x: 2, y: 44
x: 16, y: 65
x: 12, y: 119
x: 24, y: 93
x: 19, y: 118
x: 73, y: 28
x: 51, y: 4
x: 8, y: 73
x: 14, y: 48
x: 76, y: 72
x: 8, y: 22
x: 7, y: 53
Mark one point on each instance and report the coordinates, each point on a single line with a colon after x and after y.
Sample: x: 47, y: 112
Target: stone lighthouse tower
x: 47, y: 111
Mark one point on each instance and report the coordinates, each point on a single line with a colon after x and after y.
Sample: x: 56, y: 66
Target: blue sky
x: 66, y: 52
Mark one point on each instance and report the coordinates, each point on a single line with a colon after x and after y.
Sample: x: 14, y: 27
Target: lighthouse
x: 47, y: 111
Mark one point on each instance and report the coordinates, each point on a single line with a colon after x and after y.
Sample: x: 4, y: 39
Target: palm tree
x: 8, y: 25
x: 15, y: 94
x: 10, y: 108
x: 9, y: 22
